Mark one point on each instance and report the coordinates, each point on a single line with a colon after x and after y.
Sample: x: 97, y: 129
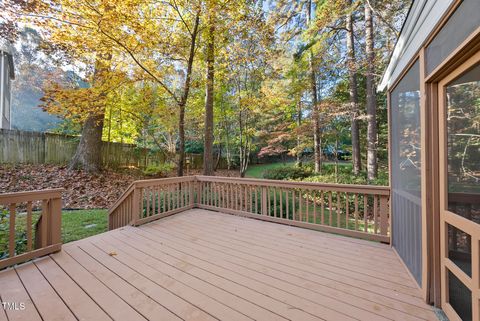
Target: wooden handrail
x: 30, y: 196
x: 366, y: 189
x: 354, y: 210
x: 46, y: 237
x: 146, y: 200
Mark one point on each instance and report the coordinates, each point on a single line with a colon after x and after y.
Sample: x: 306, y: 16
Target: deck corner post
x: 136, y: 205
x: 55, y: 212
x: 384, y: 215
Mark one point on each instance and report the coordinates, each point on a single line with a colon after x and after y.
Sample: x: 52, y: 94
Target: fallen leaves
x: 83, y: 190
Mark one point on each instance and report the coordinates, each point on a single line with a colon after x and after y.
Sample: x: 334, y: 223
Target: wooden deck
x: 202, y: 265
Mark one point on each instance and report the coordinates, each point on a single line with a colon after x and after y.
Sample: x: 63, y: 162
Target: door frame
x: 447, y: 217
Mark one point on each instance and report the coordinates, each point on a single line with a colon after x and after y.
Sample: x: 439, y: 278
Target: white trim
x: 421, y: 21
x: 2, y: 80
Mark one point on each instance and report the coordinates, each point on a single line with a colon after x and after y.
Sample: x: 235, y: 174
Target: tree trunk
x: 181, y: 140
x: 299, y: 143
x: 372, y: 166
x: 208, y: 148
x: 351, y: 61
x: 336, y: 158
x: 315, y: 107
x: 183, y: 101
x: 88, y: 155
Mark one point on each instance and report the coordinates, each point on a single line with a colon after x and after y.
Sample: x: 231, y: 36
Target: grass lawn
x: 76, y: 225
x: 80, y: 224
x: 256, y: 171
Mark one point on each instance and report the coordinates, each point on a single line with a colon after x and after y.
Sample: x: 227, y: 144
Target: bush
x: 161, y: 170
x: 287, y: 173
x: 345, y: 176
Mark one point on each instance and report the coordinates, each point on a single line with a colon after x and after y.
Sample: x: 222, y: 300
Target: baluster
x: 356, y: 211
x: 287, y: 203
x: 256, y: 199
x: 347, y: 210
x: 164, y: 193
x: 300, y: 212
x: 281, y: 203
x: 294, y: 207
x: 11, y: 235
x: 240, y: 193
x: 365, y: 212
x: 322, y: 205
x: 246, y: 198
x: 375, y: 214
x: 330, y: 208
x: 29, y: 226
x: 339, y: 209
x: 274, y: 202
x: 307, y: 209
x: 147, y: 196
x: 314, y: 194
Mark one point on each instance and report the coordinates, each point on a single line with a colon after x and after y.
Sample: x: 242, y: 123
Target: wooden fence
x: 22, y: 147
x: 34, y: 225
x: 353, y: 210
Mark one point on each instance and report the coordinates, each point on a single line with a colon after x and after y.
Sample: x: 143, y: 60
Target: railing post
x: 264, y: 200
x: 192, y: 187
x: 136, y: 204
x: 199, y: 193
x: 384, y: 214
x: 55, y: 227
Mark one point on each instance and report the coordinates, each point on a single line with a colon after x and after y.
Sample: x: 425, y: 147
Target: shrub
x: 287, y: 173
x: 161, y: 170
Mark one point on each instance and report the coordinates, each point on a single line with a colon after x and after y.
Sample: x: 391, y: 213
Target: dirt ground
x: 82, y: 190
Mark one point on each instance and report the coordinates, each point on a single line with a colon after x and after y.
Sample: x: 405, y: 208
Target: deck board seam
x: 213, y: 285
x: 251, y: 289
x: 316, y: 292
x: 402, y: 287
x: 152, y: 281
x: 276, y: 269
x: 295, y: 242
x: 83, y: 289
x: 367, y: 310
x: 281, y: 226
x: 28, y: 293
x: 80, y: 287
x: 240, y: 239
x: 188, y: 287
x: 54, y: 289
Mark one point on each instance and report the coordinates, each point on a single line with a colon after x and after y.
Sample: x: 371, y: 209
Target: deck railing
x: 353, y: 210
x: 147, y: 200
x: 34, y: 225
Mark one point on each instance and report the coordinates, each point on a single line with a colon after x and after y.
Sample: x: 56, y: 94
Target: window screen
x: 464, y: 21
x: 406, y: 170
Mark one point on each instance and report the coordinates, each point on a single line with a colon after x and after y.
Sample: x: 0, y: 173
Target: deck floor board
x: 204, y: 265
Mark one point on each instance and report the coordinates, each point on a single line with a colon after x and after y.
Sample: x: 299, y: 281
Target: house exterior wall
x: 423, y: 17
x: 406, y: 171
x: 432, y: 237
x: 5, y: 90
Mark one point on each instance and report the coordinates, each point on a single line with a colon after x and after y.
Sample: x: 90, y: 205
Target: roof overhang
x: 422, y: 19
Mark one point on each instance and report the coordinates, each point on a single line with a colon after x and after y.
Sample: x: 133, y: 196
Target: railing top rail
x: 148, y: 183
x: 159, y: 181
x: 124, y: 195
x: 369, y: 189
x: 17, y: 197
